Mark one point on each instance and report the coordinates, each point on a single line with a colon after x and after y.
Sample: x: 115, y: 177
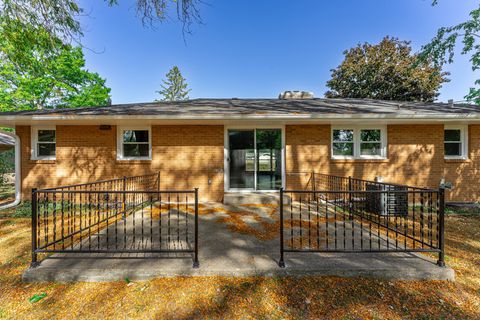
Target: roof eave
x: 15, y: 118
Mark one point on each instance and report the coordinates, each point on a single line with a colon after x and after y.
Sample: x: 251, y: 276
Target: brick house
x: 251, y: 145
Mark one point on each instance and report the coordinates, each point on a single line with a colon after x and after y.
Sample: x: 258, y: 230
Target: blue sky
x: 253, y: 48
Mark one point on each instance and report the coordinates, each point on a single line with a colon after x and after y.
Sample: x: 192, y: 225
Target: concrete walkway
x: 236, y: 241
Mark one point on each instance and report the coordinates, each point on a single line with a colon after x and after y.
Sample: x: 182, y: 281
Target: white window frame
x: 347, y: 128
x: 226, y: 153
x: 34, y: 143
x: 463, y: 140
x: 120, y: 130
x: 356, y: 142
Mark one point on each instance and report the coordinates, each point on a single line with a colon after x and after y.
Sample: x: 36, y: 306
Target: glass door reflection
x: 255, y: 159
x: 242, y: 159
x: 269, y: 159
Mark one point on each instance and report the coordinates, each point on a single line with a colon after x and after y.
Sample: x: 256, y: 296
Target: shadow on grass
x: 23, y: 210
x: 324, y: 297
x: 257, y: 297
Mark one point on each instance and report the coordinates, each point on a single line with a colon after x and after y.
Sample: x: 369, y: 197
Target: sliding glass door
x: 269, y: 159
x: 242, y: 159
x: 255, y: 159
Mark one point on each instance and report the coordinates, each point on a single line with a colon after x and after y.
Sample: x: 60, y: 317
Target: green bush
x: 7, y: 164
x: 467, y: 210
x: 23, y: 210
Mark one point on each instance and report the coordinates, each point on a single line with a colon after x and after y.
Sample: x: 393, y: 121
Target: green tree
x: 175, y: 87
x: 38, y: 71
x: 387, y: 71
x: 59, y: 18
x: 441, y: 48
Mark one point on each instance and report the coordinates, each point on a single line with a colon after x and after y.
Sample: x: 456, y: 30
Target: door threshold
x: 239, y: 198
x: 251, y: 191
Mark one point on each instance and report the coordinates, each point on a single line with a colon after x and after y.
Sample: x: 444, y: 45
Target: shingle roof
x: 266, y: 107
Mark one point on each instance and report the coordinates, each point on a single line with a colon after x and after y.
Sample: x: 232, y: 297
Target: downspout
x: 17, y: 171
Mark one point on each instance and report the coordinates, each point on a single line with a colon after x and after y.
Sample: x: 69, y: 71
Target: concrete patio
x: 236, y: 241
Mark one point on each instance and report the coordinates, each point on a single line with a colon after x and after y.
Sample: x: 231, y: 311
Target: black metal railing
x: 130, y: 215
x: 343, y: 214
x: 321, y: 181
x: 142, y: 182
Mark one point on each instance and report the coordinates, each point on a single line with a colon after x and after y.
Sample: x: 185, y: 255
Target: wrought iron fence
x: 130, y: 215
x: 321, y: 181
x: 142, y: 182
x: 342, y: 214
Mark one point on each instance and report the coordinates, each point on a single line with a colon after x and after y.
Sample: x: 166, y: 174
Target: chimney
x: 296, y: 95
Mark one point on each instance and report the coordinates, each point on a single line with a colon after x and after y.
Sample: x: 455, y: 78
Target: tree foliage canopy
x: 387, y: 71
x: 59, y: 18
x: 39, y: 67
x: 175, y: 87
x: 441, y: 49
x: 38, y: 71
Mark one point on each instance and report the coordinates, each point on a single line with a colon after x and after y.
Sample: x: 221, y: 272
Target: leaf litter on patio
x: 248, y: 297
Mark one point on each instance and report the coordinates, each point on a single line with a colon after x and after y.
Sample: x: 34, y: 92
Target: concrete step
x: 236, y: 198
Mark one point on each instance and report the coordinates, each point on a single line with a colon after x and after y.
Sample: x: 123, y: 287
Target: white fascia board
x: 18, y: 119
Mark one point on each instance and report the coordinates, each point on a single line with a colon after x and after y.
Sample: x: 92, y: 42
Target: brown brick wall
x: 415, y: 157
x: 192, y: 156
x: 186, y: 156
x: 465, y: 175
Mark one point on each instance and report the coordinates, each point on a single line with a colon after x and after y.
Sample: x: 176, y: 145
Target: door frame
x: 226, y: 151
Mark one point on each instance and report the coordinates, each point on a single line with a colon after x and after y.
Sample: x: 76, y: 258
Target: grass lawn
x: 252, y: 297
x: 7, y: 193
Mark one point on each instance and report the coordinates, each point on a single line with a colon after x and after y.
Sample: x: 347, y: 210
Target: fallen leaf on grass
x: 37, y: 297
x: 226, y: 297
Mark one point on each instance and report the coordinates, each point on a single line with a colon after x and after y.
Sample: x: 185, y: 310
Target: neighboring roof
x: 6, y: 140
x: 261, y: 108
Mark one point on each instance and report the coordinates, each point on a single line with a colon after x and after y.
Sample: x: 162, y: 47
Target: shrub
x: 23, y: 210
x: 7, y: 164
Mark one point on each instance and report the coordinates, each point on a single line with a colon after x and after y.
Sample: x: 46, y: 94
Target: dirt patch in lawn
x: 251, y: 297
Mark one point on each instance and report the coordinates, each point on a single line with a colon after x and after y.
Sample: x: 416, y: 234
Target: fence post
x: 124, y: 206
x: 441, y: 236
x: 196, y: 264
x: 350, y: 198
x: 313, y: 181
x: 34, y: 262
x: 281, y: 262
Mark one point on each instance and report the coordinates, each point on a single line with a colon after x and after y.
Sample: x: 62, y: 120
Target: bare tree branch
x: 153, y: 11
x: 61, y: 17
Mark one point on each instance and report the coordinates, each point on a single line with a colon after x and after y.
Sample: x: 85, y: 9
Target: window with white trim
x: 455, y: 142
x: 43, y: 143
x: 134, y: 143
x: 371, y: 142
x: 358, y: 143
x: 343, y: 144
